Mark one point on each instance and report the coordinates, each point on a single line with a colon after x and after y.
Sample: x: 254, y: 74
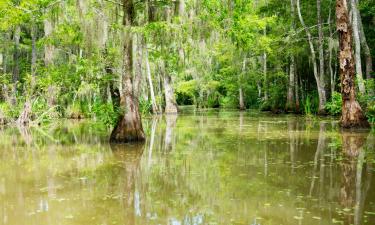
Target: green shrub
x: 42, y: 112
x: 74, y: 111
x: 370, y: 113
x: 307, y: 106
x: 333, y: 107
x: 10, y: 112
x: 105, y: 112
x: 145, y: 106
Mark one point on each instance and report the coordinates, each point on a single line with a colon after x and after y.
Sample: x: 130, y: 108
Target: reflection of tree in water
x: 353, y: 188
x: 130, y: 156
x: 171, y: 120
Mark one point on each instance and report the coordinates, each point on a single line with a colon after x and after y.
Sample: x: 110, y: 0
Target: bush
x: 105, y: 112
x: 370, y: 113
x: 333, y: 107
x: 10, y: 112
x: 74, y: 111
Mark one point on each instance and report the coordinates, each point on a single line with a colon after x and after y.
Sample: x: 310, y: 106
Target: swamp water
x: 197, y: 168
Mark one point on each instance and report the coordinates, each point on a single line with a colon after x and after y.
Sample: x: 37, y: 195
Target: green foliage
x: 42, y: 112
x: 105, y: 112
x: 307, y: 106
x: 145, y: 106
x: 370, y: 112
x: 334, y: 106
x: 9, y: 111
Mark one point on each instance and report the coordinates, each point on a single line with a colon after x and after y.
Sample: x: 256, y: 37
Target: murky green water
x: 203, y: 168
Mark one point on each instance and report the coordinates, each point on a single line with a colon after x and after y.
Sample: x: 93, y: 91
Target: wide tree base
x: 352, y: 116
x: 126, y: 132
x: 171, y: 109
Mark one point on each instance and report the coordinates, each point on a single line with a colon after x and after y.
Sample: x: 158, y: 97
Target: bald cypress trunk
x: 357, y: 44
x: 49, y: 48
x: 129, y: 128
x: 352, y: 114
x: 16, y: 66
x: 317, y: 75
x: 366, y: 48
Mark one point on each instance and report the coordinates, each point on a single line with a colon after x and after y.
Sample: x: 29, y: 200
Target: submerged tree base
x: 352, y: 116
x: 126, y: 132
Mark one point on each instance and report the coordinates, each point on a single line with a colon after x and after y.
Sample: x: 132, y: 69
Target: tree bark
x: 155, y: 108
x: 16, y: 66
x: 265, y: 73
x: 48, y: 49
x: 129, y: 128
x: 241, y: 96
x: 170, y: 102
x: 320, y: 86
x: 321, y: 52
x: 365, y: 46
x: 352, y: 114
x: 357, y: 44
x: 290, y: 105
x: 33, y: 53
x: 138, y: 65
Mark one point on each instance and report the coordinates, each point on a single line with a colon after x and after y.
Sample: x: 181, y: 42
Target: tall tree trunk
x: 48, y: 48
x: 241, y: 97
x: 296, y: 91
x: 321, y: 52
x: 138, y: 65
x: 290, y: 105
x: 365, y: 46
x: 352, y: 114
x: 129, y: 128
x: 357, y: 44
x: 265, y: 73
x: 170, y: 102
x: 330, y: 50
x: 155, y: 108
x: 321, y: 91
x: 33, y: 53
x: 16, y: 66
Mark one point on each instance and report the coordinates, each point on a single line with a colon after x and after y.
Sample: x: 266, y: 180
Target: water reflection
x: 210, y: 168
x: 130, y: 157
x: 353, y: 188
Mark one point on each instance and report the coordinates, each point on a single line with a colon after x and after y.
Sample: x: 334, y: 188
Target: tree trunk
x: 365, y: 46
x: 241, y: 97
x: 265, y: 74
x: 318, y: 80
x: 296, y: 90
x: 33, y: 53
x: 129, y: 128
x: 290, y: 104
x: 16, y: 66
x: 48, y: 49
x: 330, y: 52
x: 138, y: 65
x: 155, y: 108
x: 170, y: 102
x: 321, y: 52
x: 242, y: 103
x: 352, y: 115
x: 357, y: 44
